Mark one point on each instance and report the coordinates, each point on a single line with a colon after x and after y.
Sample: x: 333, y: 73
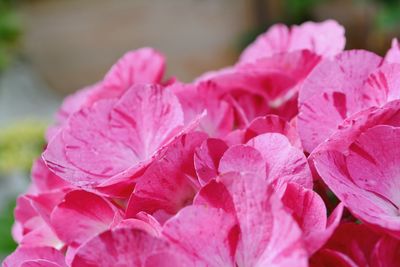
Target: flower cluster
x: 251, y: 165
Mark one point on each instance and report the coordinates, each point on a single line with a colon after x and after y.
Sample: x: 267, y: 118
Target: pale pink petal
x: 87, y: 215
x: 325, y: 38
x: 27, y: 254
x: 207, y: 157
x: 41, y: 235
x: 319, y: 117
x: 196, y: 98
x: 393, y: 54
x: 32, y: 220
x: 285, y: 163
x: 113, y: 139
x: 274, y: 41
x: 345, y: 73
x: 243, y: 159
x: 205, y: 236
x: 168, y: 183
x: 144, y: 65
x: 272, y: 124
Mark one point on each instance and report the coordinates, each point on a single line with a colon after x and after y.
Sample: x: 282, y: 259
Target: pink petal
x: 39, y: 263
x: 274, y: 41
x: 202, y: 243
x: 144, y: 65
x: 309, y: 210
x: 272, y: 124
x: 393, y: 54
x: 44, y: 179
x: 207, y: 157
x: 353, y: 126
x: 87, y: 215
x: 29, y: 254
x: 111, y: 140
x: 319, y: 117
x: 167, y: 184
x: 345, y: 73
x: 373, y: 166
x: 285, y: 163
x: 365, y: 205
x: 119, y: 247
x: 384, y: 83
x: 277, y: 240
x: 243, y: 159
x: 197, y: 98
x: 325, y: 38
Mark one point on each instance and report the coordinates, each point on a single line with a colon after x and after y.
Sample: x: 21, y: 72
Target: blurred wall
x: 72, y: 43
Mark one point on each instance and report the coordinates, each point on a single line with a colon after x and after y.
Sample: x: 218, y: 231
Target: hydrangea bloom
x: 251, y: 165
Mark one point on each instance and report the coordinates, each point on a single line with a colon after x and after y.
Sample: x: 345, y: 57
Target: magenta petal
x: 207, y: 158
x: 87, y: 215
x: 168, y: 183
x: 386, y: 252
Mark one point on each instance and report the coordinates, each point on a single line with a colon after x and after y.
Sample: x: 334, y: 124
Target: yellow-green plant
x: 20, y: 144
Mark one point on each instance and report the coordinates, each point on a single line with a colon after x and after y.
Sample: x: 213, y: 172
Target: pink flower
x: 105, y: 145
x: 189, y: 239
x: 270, y: 155
x: 251, y: 165
x: 324, y: 38
x: 359, y: 163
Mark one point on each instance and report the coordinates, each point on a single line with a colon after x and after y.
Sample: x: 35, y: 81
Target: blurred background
x: 49, y: 48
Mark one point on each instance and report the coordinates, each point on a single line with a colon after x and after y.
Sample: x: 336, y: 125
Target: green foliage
x: 7, y: 244
x: 299, y: 11
x: 20, y: 144
x: 10, y: 30
x: 388, y: 17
